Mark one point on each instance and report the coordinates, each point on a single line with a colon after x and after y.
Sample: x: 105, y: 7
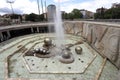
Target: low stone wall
x: 105, y: 38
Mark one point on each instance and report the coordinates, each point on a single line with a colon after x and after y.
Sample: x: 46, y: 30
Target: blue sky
x: 30, y: 6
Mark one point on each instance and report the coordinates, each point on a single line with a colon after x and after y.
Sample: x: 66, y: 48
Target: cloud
x: 18, y: 11
x: 90, y: 5
x: 26, y: 6
x: 61, y: 0
x: 7, y: 10
x: 30, y: 6
x: 10, y: 1
x: 19, y: 6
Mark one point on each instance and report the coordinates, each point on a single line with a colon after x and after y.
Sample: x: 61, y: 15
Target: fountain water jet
x: 59, y: 31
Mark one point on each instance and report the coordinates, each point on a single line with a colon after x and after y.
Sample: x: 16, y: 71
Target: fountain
x: 49, y: 50
x: 60, y: 49
x: 61, y: 56
x: 59, y: 31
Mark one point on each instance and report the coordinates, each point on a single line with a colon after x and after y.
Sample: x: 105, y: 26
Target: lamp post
x: 11, y: 2
x: 45, y: 9
x: 38, y: 7
x: 45, y: 6
x: 42, y: 6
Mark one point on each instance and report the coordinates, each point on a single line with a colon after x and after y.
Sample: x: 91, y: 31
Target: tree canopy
x: 77, y: 14
x: 74, y: 14
x: 112, y: 13
x: 34, y: 17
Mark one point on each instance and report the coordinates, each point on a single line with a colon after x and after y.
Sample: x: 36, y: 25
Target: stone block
x: 111, y: 42
x: 78, y: 28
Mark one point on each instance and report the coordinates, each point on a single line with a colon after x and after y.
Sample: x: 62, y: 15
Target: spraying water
x: 58, y: 27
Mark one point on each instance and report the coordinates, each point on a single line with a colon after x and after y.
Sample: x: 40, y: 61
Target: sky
x: 30, y: 6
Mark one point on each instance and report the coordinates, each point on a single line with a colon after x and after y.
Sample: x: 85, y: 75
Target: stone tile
x: 112, y: 45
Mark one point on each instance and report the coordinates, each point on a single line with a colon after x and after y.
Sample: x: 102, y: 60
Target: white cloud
x: 7, y: 10
x: 91, y: 5
x: 61, y: 0
x: 22, y: 5
x: 26, y: 6
x: 30, y: 6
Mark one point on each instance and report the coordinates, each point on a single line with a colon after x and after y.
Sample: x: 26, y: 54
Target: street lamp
x: 38, y: 7
x: 45, y: 6
x: 11, y: 2
x: 45, y: 9
x: 42, y: 6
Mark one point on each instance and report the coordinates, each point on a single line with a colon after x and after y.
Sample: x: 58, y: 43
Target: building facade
x: 116, y: 5
x: 100, y: 10
x: 87, y: 14
x: 51, y: 10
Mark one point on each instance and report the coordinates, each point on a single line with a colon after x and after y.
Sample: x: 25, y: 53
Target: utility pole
x: 45, y: 6
x: 38, y: 7
x: 45, y: 9
x: 42, y: 6
x: 11, y: 2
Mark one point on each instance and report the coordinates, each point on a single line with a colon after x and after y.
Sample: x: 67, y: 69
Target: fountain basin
x: 54, y: 62
x: 85, y: 66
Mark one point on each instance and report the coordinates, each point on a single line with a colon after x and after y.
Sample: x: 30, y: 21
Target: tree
x: 108, y: 14
x: 64, y: 15
x: 34, y: 17
x: 31, y: 17
x: 100, y: 14
x: 96, y: 15
x: 112, y: 13
x: 70, y: 16
x: 77, y: 14
x: 15, y: 16
x: 41, y: 17
x: 115, y: 13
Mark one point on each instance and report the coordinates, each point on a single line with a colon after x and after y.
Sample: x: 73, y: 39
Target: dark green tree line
x: 34, y: 17
x: 74, y: 14
x: 112, y: 13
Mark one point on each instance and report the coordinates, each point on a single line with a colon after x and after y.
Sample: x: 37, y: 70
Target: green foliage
x: 75, y: 14
x: 100, y: 15
x: 115, y: 13
x: 41, y: 17
x: 15, y: 16
x: 108, y: 14
x: 34, y: 17
x: 70, y: 16
x: 31, y: 17
x: 64, y: 15
x: 112, y: 13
